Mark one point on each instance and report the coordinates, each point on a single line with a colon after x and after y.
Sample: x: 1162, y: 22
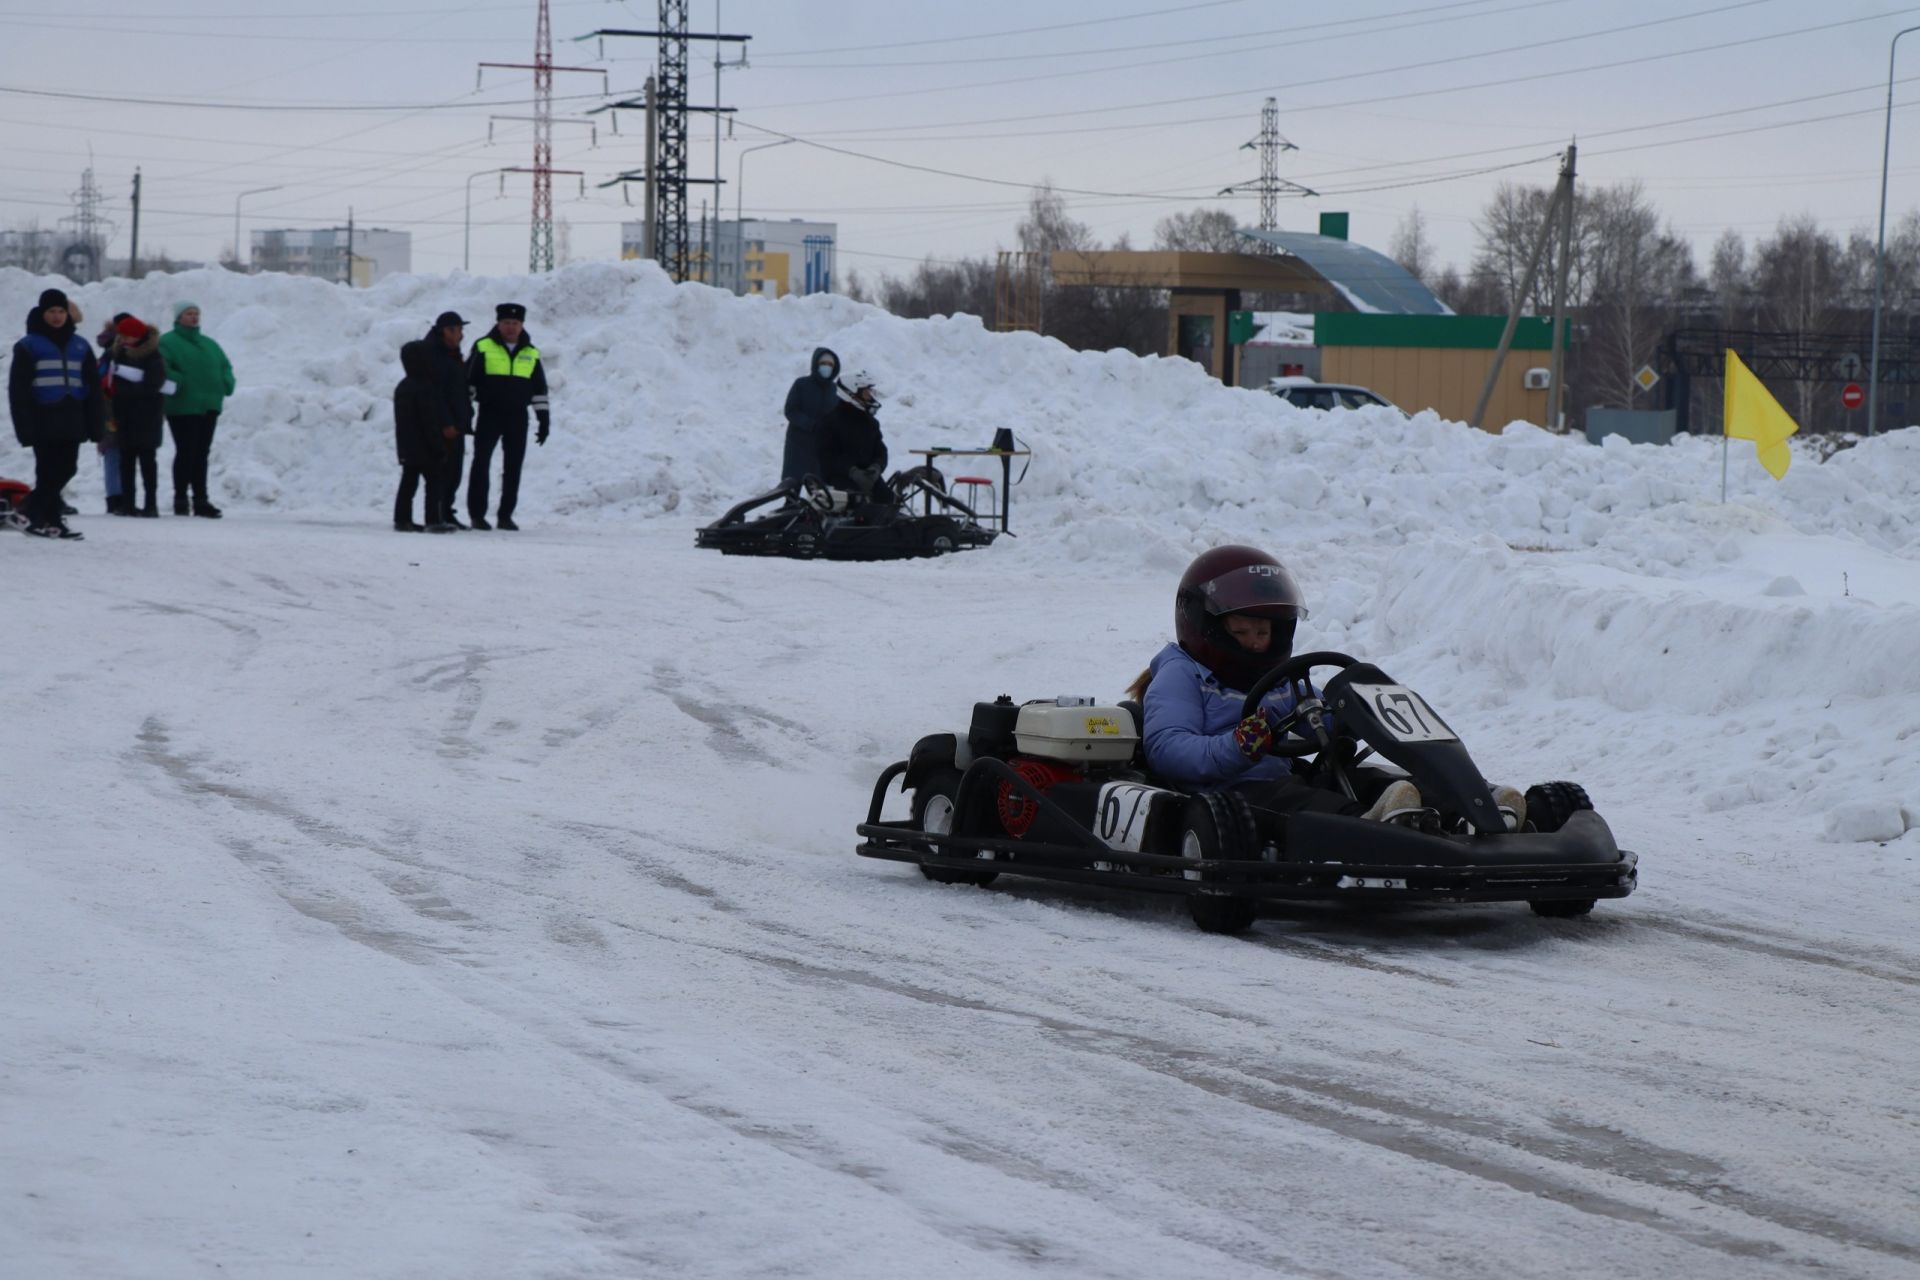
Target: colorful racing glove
x: 1254, y: 735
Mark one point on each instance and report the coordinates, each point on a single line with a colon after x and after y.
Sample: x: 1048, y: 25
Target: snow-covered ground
x: 399, y: 906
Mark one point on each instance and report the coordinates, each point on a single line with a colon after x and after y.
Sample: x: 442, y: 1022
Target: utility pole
x: 1562, y: 200
x: 653, y: 187
x: 349, y: 258
x: 669, y: 168
x: 133, y: 254
x: 1270, y: 184
x: 540, y: 233
x: 1556, y: 394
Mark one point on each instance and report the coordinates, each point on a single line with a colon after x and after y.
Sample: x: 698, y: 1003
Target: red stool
x: 973, y: 485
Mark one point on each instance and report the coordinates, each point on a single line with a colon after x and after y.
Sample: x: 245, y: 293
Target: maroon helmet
x: 1236, y: 580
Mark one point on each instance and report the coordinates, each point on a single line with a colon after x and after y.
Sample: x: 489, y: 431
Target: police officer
x: 507, y: 379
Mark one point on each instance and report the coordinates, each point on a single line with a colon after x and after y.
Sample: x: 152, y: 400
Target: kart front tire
x: 1550, y: 804
x: 933, y: 813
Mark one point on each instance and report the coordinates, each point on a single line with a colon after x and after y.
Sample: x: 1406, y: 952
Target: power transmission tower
x: 670, y: 180
x: 1270, y: 184
x: 540, y: 236
x: 89, y: 230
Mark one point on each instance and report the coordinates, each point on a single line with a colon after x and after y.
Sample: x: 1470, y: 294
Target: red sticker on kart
x: 1404, y: 713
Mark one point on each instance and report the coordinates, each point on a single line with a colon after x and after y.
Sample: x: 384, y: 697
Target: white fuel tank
x: 1076, y: 731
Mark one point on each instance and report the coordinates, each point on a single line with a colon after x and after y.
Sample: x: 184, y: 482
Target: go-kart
x: 806, y: 519
x: 1059, y: 790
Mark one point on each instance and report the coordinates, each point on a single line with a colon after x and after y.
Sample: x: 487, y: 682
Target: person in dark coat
x: 53, y: 393
x: 421, y: 437
x: 140, y: 387
x: 109, y: 445
x: 449, y: 373
x: 508, y: 379
x: 853, y: 452
x: 810, y: 401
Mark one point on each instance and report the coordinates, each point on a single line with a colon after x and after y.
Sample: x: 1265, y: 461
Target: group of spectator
x: 63, y: 397
x: 444, y: 397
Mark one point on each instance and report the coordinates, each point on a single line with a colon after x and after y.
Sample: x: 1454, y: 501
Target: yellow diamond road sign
x: 1646, y: 377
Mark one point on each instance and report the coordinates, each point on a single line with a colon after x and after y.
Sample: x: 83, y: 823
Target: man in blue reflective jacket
x: 53, y: 393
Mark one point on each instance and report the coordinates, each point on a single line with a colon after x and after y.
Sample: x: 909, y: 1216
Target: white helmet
x: 856, y: 382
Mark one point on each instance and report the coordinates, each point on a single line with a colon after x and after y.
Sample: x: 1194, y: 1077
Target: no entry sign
x: 1853, y: 395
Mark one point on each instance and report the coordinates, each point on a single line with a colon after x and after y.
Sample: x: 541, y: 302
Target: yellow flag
x: 1753, y: 414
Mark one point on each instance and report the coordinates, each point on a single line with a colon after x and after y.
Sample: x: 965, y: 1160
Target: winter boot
x: 506, y: 523
x: 207, y: 510
x: 441, y: 526
x: 407, y: 526
x: 42, y: 531
x: 1401, y: 800
x: 480, y: 523
x: 151, y: 511
x: 1512, y: 803
x: 180, y: 507
x: 452, y: 522
x: 65, y: 534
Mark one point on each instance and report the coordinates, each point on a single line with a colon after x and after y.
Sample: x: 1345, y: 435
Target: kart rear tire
x: 1550, y: 804
x: 939, y: 535
x: 933, y: 803
x: 1563, y: 908
x: 1218, y: 826
x: 1221, y: 915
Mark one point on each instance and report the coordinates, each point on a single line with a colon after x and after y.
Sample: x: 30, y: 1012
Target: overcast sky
x: 1709, y: 103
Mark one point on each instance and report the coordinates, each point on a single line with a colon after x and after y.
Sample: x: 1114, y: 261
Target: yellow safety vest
x: 501, y: 364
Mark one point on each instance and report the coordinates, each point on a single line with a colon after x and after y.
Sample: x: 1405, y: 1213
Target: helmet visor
x: 1264, y: 590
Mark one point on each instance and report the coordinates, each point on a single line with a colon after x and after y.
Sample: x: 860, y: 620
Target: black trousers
x: 452, y: 463
x: 147, y: 461
x: 410, y: 478
x: 512, y: 439
x: 53, y: 466
x: 192, y: 442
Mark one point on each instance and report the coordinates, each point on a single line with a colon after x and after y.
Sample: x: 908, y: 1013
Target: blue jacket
x: 1190, y: 718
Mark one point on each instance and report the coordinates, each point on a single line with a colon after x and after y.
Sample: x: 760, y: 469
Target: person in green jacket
x: 203, y: 379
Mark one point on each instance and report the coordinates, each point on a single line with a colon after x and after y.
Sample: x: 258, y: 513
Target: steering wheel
x: 1335, y: 759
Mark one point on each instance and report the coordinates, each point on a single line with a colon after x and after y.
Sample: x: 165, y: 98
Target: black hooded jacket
x: 66, y: 421
x: 851, y: 438
x: 813, y: 399
x: 419, y: 414
x: 139, y: 389
x: 449, y: 373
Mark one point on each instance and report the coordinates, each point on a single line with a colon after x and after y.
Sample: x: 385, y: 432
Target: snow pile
x: 1611, y: 573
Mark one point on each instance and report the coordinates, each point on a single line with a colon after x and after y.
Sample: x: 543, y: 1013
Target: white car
x: 1308, y: 394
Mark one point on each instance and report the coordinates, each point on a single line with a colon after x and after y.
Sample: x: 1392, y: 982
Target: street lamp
x: 236, y: 216
x: 466, y: 246
x: 1880, y: 247
x: 739, y: 211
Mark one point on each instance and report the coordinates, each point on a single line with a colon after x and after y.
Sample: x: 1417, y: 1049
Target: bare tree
x: 1801, y: 276
x: 1727, y: 274
x: 1047, y: 228
x: 1636, y: 274
x: 1411, y: 248
x: 1199, y: 231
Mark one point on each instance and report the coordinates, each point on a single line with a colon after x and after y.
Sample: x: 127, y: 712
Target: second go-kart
x: 807, y: 519
x: 1058, y: 789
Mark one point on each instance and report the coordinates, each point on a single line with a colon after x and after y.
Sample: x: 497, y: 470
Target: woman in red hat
x: 140, y: 386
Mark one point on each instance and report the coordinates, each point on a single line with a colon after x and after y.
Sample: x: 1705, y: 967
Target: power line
x: 1501, y: 82
x: 997, y: 35
x: 317, y: 107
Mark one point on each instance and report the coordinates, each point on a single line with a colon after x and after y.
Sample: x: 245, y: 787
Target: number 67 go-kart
x: 1058, y: 790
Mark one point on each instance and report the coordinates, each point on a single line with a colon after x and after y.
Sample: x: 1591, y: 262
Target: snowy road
x: 486, y: 907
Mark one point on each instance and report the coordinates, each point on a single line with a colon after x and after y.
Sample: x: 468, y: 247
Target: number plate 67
x: 1404, y: 713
